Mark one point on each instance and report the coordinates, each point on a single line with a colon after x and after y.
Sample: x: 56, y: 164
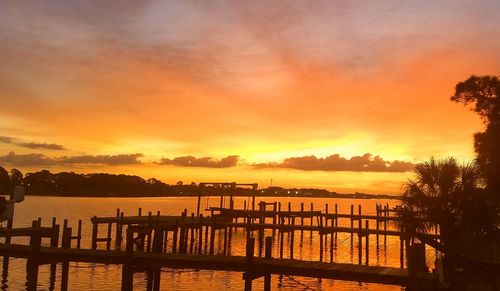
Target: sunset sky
x: 342, y: 95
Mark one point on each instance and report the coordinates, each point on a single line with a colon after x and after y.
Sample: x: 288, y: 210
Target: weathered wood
x: 212, y: 237
x: 108, y: 236
x: 127, y: 268
x: 292, y: 236
x: 267, y: 276
x: 367, y: 243
x: 66, y: 243
x: 249, y: 258
x: 200, y: 234
x: 33, y: 261
x: 95, y: 226
x: 191, y: 242
x: 360, y: 245
x: 79, y: 234
x: 227, y: 263
x: 174, y: 239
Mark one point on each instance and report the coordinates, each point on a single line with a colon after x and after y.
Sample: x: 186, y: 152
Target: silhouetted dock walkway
x: 145, y: 243
x: 351, y: 272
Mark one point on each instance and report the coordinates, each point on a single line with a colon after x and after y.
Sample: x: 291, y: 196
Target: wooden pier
x: 146, y: 243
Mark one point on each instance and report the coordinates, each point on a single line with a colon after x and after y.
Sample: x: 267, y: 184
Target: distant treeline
x: 70, y: 184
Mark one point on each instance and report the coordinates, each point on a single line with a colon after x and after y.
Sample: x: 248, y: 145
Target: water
x: 108, y: 277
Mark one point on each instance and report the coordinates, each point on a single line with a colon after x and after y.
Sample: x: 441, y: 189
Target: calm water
x: 108, y: 277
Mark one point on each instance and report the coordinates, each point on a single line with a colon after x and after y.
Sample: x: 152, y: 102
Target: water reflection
x: 5, y: 274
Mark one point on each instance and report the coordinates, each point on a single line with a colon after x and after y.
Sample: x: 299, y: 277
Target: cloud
x: 26, y: 159
x: 47, y: 146
x: 205, y: 162
x: 364, y: 163
x: 5, y: 139
x: 32, y: 145
x: 41, y: 160
x: 103, y: 159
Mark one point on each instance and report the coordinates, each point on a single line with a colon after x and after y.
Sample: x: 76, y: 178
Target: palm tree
x: 440, y: 195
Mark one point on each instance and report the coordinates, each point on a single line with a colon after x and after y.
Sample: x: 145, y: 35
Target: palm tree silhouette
x: 443, y: 194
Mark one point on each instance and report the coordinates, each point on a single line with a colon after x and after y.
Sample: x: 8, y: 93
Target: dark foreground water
x: 108, y: 277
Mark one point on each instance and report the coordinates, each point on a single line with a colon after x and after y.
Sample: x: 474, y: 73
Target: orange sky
x: 86, y: 86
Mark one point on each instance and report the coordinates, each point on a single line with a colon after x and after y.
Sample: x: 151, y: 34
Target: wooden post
x: 360, y: 243
x: 94, y: 233
x: 33, y: 261
x: 206, y: 238
x: 386, y: 208
x: 292, y: 236
x: 312, y: 208
x: 274, y: 214
x: 127, y: 269
x: 108, y: 237
x: 333, y: 233
x: 359, y: 215
x: 352, y: 222
x: 377, y: 224
x: 165, y: 241
x: 367, y: 243
x: 140, y: 211
x: 174, y: 238
x: 119, y: 233
x: 198, y: 205
x: 212, y: 235
x: 302, y: 213
x: 79, y: 234
x: 401, y: 251
x: 182, y: 234
x: 336, y: 220
x: 66, y: 243
x: 282, y: 237
x: 54, y: 242
x: 250, y: 246
x: 267, y: 277
x: 320, y: 233
x: 157, y: 246
x: 54, y: 239
x: 200, y: 233
x: 191, y: 242
x: 253, y: 202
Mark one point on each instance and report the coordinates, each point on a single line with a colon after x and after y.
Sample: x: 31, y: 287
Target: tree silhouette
x: 449, y: 196
x: 483, y: 92
x: 5, y: 184
x: 16, y: 177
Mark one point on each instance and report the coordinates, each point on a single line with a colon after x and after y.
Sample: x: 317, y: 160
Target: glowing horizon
x: 264, y: 82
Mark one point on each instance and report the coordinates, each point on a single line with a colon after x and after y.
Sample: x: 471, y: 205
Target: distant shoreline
x: 70, y: 184
x: 333, y: 196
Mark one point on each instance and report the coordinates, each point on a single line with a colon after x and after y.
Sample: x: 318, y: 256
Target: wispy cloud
x: 205, y: 162
x: 41, y: 160
x: 364, y: 163
x: 32, y: 145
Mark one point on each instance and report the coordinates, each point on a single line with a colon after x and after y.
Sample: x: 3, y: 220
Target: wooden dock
x: 350, y: 272
x: 148, y: 242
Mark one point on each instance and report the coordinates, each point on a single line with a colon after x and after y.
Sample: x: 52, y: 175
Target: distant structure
x: 7, y: 206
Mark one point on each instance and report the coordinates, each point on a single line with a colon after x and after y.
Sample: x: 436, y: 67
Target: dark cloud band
x: 32, y: 145
x: 364, y: 163
x: 205, y: 162
x: 42, y: 160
